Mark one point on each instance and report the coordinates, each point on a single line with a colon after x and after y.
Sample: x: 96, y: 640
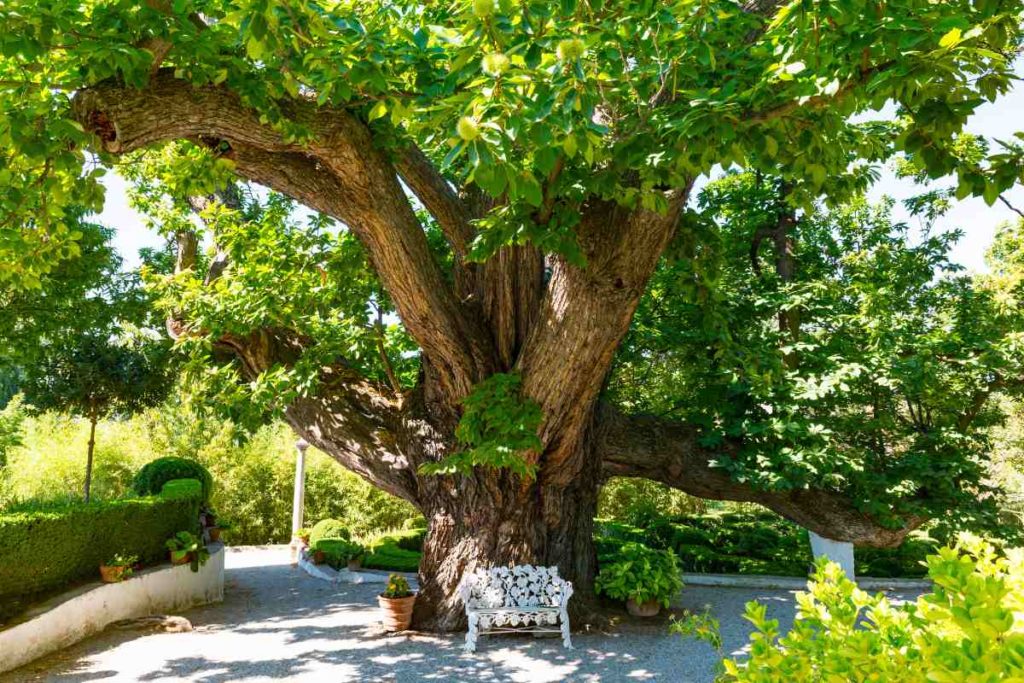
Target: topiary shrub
x: 182, y: 488
x: 151, y: 478
x: 328, y: 529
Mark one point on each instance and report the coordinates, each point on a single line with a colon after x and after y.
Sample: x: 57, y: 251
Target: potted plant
x: 118, y: 568
x: 645, y: 578
x: 303, y: 535
x: 185, y: 547
x: 396, y: 603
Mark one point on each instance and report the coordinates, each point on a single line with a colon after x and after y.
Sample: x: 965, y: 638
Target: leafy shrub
x: 754, y: 543
x: 338, y: 552
x: 151, y: 478
x: 393, y: 558
x: 55, y: 546
x: 325, y: 529
x: 417, y: 522
x: 640, y: 574
x: 969, y: 628
x: 640, y: 501
x: 411, y: 539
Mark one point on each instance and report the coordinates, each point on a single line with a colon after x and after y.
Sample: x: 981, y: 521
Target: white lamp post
x: 298, y: 499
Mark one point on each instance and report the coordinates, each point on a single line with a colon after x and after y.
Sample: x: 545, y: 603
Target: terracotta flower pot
x: 355, y: 564
x: 214, y: 534
x: 397, y: 612
x: 179, y: 557
x: 319, y: 557
x: 643, y: 609
x: 112, y: 574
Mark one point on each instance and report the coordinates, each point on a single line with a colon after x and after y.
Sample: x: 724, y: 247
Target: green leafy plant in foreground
x: 640, y: 574
x: 969, y: 628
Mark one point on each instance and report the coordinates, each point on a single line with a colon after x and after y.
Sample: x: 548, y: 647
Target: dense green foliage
x: 867, y: 369
x: 969, y: 628
x: 728, y: 542
x: 501, y: 93
x: 47, y: 548
x: 397, y: 550
x: 153, y: 476
x: 496, y: 427
x: 254, y: 473
x: 338, y: 552
x: 640, y: 574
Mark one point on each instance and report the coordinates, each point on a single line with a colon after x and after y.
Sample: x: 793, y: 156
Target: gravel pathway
x: 279, y: 624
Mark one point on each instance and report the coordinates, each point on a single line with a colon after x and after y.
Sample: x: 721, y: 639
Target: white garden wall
x: 87, y: 610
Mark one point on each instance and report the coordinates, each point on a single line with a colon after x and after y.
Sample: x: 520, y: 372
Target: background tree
x: 94, y: 375
x: 554, y: 147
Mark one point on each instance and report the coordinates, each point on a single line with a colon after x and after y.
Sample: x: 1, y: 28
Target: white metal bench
x: 519, y: 599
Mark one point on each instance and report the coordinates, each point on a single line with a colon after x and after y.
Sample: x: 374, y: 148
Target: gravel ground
x: 279, y: 624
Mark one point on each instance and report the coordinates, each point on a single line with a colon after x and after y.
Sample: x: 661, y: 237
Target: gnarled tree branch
x: 338, y: 172
x: 668, y: 452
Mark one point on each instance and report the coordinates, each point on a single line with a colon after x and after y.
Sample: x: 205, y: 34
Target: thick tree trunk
x: 493, y: 519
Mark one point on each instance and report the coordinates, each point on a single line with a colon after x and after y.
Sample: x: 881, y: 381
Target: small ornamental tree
x: 94, y: 376
x: 509, y: 176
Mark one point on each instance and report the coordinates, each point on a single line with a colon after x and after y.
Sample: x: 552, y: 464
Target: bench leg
x: 471, y: 634
x: 566, y: 640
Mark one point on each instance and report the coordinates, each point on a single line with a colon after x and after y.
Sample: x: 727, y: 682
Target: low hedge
x: 752, y: 543
x: 47, y: 549
x: 393, y: 558
x: 398, y: 551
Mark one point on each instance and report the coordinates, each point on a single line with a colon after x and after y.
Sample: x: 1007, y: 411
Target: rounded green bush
x: 328, y: 529
x: 151, y: 478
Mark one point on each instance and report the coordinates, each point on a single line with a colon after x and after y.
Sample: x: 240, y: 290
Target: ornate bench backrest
x: 520, y: 586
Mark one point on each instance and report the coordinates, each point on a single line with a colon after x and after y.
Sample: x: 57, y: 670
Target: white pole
x: 840, y: 552
x: 299, y: 497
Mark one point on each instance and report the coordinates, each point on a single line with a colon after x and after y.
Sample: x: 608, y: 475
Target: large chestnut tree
x: 507, y: 176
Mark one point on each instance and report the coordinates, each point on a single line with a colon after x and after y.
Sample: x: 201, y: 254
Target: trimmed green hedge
x: 752, y: 543
x: 398, y: 551
x: 48, y: 549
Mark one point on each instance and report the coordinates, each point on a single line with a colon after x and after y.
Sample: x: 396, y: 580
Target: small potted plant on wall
x: 646, y: 579
x: 187, y: 548
x: 396, y: 603
x: 118, y: 568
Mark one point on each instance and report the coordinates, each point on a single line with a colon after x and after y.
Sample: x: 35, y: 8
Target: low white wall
x: 87, y: 610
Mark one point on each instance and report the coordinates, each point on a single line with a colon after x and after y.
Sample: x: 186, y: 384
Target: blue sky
x: 978, y: 221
